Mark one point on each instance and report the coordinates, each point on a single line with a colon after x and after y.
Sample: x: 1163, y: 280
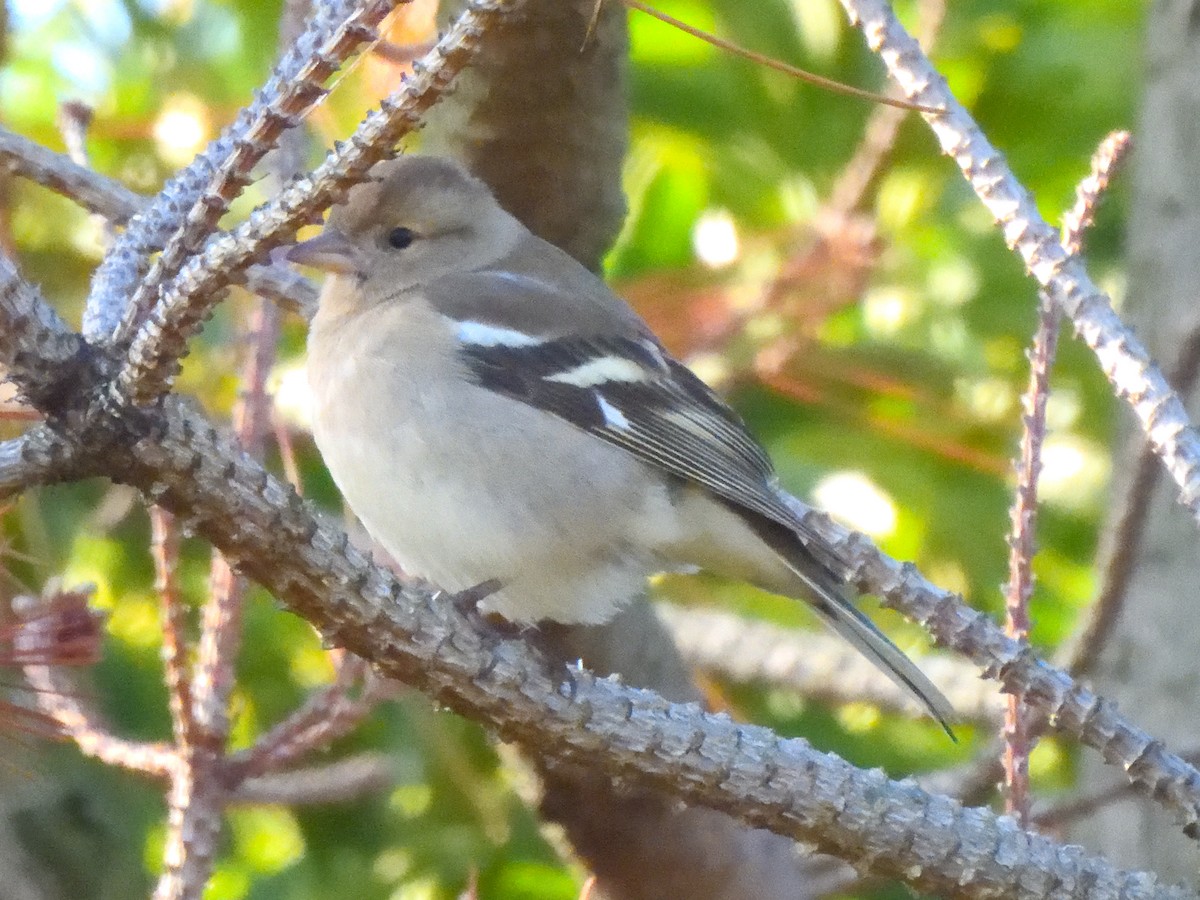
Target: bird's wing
x: 618, y: 383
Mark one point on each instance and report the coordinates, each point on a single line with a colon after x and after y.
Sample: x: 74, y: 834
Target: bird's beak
x: 330, y: 250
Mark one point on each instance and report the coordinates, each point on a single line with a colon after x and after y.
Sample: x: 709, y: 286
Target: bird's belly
x: 460, y: 495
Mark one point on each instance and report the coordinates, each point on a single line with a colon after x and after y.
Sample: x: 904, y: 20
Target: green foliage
x: 908, y: 378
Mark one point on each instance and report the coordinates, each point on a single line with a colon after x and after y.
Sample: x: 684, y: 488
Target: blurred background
x: 864, y: 317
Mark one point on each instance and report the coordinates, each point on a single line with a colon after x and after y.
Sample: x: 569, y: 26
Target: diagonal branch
x: 599, y: 725
x: 326, y: 715
x: 815, y: 665
x: 94, y: 192
x: 335, y: 32
x: 56, y: 696
x: 1124, y: 360
x: 1070, y: 707
x: 153, y: 358
x: 109, y: 198
x: 127, y: 262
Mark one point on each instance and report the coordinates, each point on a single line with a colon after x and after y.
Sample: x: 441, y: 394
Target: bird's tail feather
x: 842, y: 616
x: 828, y: 598
x: 819, y: 572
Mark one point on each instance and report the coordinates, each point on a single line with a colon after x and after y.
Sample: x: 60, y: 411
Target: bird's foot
x: 467, y: 601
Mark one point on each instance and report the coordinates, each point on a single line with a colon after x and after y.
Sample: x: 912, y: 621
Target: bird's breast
x: 462, y: 485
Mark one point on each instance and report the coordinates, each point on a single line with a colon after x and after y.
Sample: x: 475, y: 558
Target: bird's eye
x: 401, y: 237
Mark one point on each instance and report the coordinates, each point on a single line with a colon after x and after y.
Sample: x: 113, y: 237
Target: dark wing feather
x: 669, y: 418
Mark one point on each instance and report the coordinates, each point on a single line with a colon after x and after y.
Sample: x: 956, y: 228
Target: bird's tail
x: 828, y: 598
x: 840, y: 614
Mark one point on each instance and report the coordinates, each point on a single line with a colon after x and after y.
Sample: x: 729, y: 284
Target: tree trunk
x: 1150, y: 665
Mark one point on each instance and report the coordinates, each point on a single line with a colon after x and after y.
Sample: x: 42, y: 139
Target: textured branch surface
x: 335, y: 32
x: 1070, y: 707
x: 1123, y: 358
x: 126, y: 264
x: 180, y: 461
x: 109, y: 198
x: 893, y: 828
x: 153, y: 358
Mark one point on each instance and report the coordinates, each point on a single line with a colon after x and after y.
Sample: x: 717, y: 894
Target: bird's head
x: 417, y: 218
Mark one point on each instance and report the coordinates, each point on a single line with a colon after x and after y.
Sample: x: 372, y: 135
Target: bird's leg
x: 467, y: 601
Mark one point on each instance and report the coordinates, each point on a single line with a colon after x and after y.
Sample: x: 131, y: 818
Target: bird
x: 494, y: 414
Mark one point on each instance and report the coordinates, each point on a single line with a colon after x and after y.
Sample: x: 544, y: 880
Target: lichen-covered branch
x: 336, y: 31
x: 1134, y: 376
x: 183, y: 304
x: 1070, y: 707
x: 599, y: 725
x: 118, y: 204
x: 128, y: 261
x: 177, y: 458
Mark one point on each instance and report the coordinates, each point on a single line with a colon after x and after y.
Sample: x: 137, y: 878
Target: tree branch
x: 109, y: 198
x: 334, y: 33
x: 180, y: 460
x: 1124, y: 360
x: 154, y: 354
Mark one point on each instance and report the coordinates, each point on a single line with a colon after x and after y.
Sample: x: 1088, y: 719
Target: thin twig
x: 1055, y: 817
x: 817, y: 666
x: 96, y: 193
x: 287, y: 453
x: 879, y: 134
x: 362, y: 775
x: 828, y: 84
x: 74, y: 120
x: 164, y: 547
x: 1018, y: 740
x: 326, y: 716
x: 58, y: 697
x: 1021, y: 544
x: 153, y: 357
